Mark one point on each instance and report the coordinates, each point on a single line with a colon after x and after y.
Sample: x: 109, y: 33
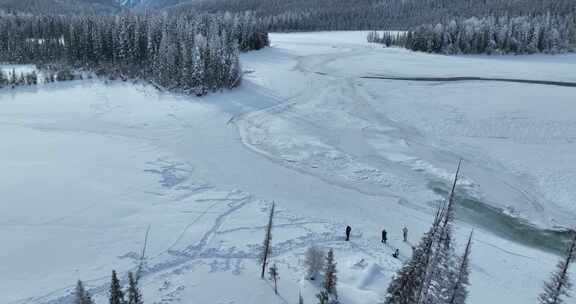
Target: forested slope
x: 193, y: 53
x: 372, y: 14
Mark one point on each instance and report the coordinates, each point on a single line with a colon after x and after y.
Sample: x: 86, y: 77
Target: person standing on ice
x: 384, y: 236
x: 405, y: 233
x: 348, y: 230
x: 396, y: 253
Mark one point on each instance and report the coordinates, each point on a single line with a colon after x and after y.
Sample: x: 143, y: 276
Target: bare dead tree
x: 267, y: 245
x: 142, y: 255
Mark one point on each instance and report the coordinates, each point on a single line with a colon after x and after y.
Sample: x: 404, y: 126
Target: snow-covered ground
x: 88, y: 166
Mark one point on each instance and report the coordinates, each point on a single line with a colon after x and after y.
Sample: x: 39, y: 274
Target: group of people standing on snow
x: 384, y: 237
x: 404, y: 235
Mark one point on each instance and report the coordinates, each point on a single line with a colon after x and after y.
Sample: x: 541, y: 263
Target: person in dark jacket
x: 348, y: 230
x: 396, y: 253
x: 405, y: 233
x: 384, y: 236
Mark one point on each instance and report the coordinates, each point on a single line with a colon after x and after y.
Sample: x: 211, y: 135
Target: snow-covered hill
x: 88, y: 166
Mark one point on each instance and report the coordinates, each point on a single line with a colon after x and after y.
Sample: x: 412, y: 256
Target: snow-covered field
x: 88, y: 166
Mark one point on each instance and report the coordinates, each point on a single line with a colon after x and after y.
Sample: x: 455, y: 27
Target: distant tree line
x: 47, y: 74
x: 13, y: 79
x: 544, y: 33
x: 305, y: 15
x: 190, y: 53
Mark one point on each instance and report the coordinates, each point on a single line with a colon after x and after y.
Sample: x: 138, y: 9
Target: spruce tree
x: 147, y: 46
x: 134, y: 294
x: 441, y: 268
x: 79, y: 293
x: 442, y: 271
x: 88, y: 298
x: 330, y: 278
x: 459, y: 291
x: 522, y: 34
x: 198, y: 72
x: 428, y: 275
x: 559, y: 285
x: 3, y: 79
x: 407, y: 284
x: 314, y: 261
x: 116, y: 296
x: 81, y: 296
x: 450, y: 210
x: 323, y: 297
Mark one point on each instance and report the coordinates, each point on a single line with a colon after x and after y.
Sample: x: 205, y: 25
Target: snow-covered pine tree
x: 185, y: 77
x: 300, y: 15
x: 13, y: 77
x: 155, y: 47
x: 198, y: 72
x: 79, y: 293
x: 88, y: 298
x: 81, y: 296
x: 267, y: 244
x: 459, y: 290
x: 234, y: 77
x: 441, y: 268
x: 412, y: 279
x: 323, y: 297
x: 3, y: 79
x: 559, y: 285
x: 216, y: 62
x: 408, y: 282
x: 314, y: 261
x: 330, y: 278
x: 441, y: 273
x: 153, y: 36
x: 140, y: 35
x: 445, y: 232
x: 116, y: 296
x: 21, y: 79
x: 133, y: 293
x: 523, y: 34
x: 274, y: 276
x: 32, y: 78
x: 124, y: 48
x: 165, y: 62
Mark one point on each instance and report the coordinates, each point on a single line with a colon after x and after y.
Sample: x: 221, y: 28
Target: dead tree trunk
x: 267, y: 245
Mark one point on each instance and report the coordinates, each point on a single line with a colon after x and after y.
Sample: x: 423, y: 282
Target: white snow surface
x: 88, y: 165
